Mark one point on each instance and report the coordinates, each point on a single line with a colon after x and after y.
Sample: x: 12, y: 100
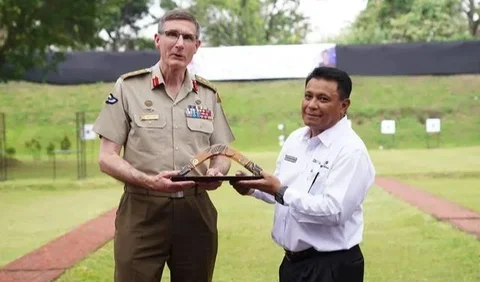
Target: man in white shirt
x: 321, y: 179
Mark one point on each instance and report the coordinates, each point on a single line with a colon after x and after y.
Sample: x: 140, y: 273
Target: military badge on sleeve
x: 111, y: 99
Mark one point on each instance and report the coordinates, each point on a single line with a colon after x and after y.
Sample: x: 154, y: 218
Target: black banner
x: 410, y: 59
x: 446, y: 58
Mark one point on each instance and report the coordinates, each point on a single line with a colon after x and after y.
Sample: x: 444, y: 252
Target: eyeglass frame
x: 178, y: 34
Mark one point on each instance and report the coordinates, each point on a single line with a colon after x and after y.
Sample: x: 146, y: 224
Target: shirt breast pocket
x: 318, y: 181
x: 201, y: 129
x: 200, y: 125
x: 148, y: 132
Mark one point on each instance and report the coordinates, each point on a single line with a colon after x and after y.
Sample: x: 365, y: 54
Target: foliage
x: 141, y: 43
x: 121, y: 24
x: 248, y: 22
x: 31, y: 31
x: 34, y: 147
x: 65, y: 144
x: 50, y: 149
x: 10, y: 152
x: 407, y: 21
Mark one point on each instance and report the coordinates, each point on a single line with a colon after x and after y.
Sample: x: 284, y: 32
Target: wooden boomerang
x: 223, y: 150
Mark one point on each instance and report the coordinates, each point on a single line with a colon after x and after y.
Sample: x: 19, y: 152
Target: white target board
x: 88, y: 133
x: 432, y: 125
x: 387, y: 126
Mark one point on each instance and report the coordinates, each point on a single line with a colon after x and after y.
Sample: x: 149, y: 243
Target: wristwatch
x: 279, y: 194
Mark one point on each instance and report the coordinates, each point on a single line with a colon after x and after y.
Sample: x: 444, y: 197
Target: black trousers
x: 313, y: 266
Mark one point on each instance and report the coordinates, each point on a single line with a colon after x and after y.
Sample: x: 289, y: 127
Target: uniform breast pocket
x: 201, y: 129
x: 148, y: 132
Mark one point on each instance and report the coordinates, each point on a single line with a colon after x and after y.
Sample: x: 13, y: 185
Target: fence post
x: 81, y: 150
x: 3, y: 148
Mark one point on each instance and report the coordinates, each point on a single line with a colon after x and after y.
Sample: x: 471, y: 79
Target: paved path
x: 51, y: 260
x: 458, y: 216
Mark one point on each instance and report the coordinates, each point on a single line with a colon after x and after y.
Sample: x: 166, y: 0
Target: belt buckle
x: 176, y: 195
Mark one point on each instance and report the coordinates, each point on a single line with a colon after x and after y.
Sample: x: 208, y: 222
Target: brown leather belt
x: 178, y: 195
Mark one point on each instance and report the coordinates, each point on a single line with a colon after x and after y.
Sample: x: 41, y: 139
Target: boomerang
x: 221, y: 150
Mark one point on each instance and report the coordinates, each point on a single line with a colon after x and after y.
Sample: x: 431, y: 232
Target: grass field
x: 34, y: 212
x: 400, y: 241
x: 401, y: 244
x: 409, y: 100
x: 434, y: 163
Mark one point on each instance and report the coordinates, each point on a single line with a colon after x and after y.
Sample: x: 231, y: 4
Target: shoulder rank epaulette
x: 205, y: 82
x: 135, y: 73
x: 208, y: 84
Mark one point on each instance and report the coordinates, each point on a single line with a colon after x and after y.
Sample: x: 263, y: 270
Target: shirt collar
x: 331, y: 134
x: 157, y: 79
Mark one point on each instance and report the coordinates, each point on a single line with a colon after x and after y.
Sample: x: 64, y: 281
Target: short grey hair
x: 179, y: 14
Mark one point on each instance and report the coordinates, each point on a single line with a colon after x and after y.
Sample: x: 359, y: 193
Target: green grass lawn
x: 34, y: 212
x: 456, y: 162
x: 255, y: 108
x: 72, y: 202
x: 400, y: 244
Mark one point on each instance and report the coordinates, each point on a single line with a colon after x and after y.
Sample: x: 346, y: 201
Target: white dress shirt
x: 328, y: 177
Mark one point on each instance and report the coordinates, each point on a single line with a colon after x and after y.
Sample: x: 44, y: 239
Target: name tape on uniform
x: 149, y: 117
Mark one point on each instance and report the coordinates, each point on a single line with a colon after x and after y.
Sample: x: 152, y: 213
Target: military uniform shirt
x: 155, y: 130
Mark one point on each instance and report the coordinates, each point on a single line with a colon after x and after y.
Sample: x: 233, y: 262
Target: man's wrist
x: 147, y: 180
x: 279, y: 194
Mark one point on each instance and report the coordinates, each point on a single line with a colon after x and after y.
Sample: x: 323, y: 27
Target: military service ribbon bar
x: 193, y: 111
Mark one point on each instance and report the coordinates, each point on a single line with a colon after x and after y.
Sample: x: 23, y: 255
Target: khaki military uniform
x: 160, y: 133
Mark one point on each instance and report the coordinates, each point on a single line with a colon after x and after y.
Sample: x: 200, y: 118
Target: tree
x: 407, y: 21
x: 471, y: 8
x: 248, y: 22
x: 429, y: 20
x: 34, y: 147
x: 65, y: 144
x: 121, y: 24
x: 31, y: 30
x: 50, y: 149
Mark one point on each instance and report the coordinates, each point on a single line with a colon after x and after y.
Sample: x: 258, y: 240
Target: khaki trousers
x: 151, y: 230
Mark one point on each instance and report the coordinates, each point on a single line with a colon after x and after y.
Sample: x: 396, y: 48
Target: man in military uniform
x: 162, y: 116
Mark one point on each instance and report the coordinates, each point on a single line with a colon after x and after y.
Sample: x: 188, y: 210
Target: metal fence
x: 40, y: 148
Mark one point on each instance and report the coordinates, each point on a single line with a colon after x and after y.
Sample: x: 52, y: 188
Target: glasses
x: 174, y: 35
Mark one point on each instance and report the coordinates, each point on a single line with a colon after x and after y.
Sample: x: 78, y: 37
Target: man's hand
x: 269, y: 184
x: 241, y: 189
x: 211, y: 185
x: 162, y: 182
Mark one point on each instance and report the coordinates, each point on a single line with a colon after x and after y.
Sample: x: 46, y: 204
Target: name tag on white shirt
x: 290, y: 158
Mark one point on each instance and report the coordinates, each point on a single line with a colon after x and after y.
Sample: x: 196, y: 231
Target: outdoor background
x: 410, y: 60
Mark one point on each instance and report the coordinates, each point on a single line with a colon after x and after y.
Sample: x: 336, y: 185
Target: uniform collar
x: 333, y: 133
x: 189, y: 82
x: 157, y: 77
